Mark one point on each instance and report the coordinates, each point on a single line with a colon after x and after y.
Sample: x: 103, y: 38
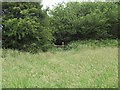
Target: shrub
x: 82, y: 21
x: 26, y: 27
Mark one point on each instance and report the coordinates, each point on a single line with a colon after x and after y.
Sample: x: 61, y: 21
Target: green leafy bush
x: 91, y: 43
x: 26, y: 27
x: 81, y: 21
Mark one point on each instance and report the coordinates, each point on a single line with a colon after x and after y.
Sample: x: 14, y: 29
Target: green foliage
x: 91, y: 43
x: 25, y: 27
x: 75, y: 21
x: 28, y: 28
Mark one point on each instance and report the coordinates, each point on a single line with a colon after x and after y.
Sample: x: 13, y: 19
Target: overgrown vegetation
x: 26, y: 26
x: 82, y: 21
x: 84, y: 66
x: 89, y: 58
x: 92, y: 44
x: 29, y: 28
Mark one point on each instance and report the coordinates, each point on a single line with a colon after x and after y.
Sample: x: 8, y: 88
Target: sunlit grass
x: 86, y: 68
x: 0, y: 68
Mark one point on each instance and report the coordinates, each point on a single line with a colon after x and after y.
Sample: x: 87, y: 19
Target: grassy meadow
x: 81, y: 65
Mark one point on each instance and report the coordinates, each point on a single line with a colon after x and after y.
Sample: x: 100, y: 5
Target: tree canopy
x: 26, y: 26
x: 76, y: 21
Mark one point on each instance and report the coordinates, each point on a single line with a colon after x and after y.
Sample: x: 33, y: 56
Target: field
x: 84, y: 67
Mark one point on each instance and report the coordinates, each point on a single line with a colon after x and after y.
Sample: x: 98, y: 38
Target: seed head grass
x: 76, y: 68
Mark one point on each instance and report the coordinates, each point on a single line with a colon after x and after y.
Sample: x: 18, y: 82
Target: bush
x: 82, y: 21
x: 91, y: 43
x: 26, y: 27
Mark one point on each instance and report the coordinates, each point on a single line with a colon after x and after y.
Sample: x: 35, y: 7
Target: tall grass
x: 81, y: 67
x: 0, y: 68
x: 77, y: 45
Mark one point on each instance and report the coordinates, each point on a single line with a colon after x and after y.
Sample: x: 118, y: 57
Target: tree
x: 76, y: 21
x: 26, y: 26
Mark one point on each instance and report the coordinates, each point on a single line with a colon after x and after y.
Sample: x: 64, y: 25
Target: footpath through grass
x: 91, y: 67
